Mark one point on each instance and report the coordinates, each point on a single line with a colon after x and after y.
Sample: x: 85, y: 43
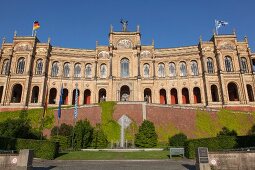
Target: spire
x: 234, y: 31
x: 15, y: 33
x: 200, y: 39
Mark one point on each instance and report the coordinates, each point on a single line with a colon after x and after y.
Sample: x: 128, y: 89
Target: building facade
x: 215, y: 73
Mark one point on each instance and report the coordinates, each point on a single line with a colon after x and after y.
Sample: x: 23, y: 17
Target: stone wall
x: 232, y: 160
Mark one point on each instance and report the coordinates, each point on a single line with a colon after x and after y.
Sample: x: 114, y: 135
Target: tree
x: 63, y: 130
x: 83, y: 132
x: 99, y: 138
x: 226, y: 132
x: 178, y: 140
x: 18, y: 128
x: 146, y: 136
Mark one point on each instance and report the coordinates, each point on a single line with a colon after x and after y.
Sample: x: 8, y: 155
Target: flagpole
x: 216, y: 27
x: 44, y: 110
x: 75, y: 111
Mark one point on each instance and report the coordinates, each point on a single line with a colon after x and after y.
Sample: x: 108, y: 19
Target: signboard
x: 202, y: 155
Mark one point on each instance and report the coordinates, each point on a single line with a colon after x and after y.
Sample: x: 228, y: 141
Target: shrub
x: 83, y: 132
x: 99, y: 138
x: 63, y: 130
x: 64, y: 141
x: 18, y: 128
x: 178, y: 140
x: 146, y: 136
x: 42, y: 148
x: 226, y: 132
x: 213, y: 144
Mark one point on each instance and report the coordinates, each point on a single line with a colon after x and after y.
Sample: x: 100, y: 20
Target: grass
x: 104, y: 155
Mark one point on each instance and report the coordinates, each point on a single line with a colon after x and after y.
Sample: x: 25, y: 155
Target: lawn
x: 104, y: 155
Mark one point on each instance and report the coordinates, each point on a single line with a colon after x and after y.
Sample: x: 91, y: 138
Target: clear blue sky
x: 171, y: 23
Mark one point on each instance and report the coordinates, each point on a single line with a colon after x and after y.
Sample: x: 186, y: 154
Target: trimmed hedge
x: 42, y: 148
x: 213, y: 144
x: 218, y: 143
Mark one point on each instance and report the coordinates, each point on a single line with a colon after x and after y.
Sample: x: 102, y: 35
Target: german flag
x: 36, y: 25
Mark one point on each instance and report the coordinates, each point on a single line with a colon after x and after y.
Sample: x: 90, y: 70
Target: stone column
x: 220, y: 76
x: 154, y: 76
x: 110, y: 76
x: 138, y: 62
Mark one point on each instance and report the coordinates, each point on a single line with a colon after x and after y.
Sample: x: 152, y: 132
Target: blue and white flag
x: 219, y: 23
x: 60, y: 102
x: 76, y: 103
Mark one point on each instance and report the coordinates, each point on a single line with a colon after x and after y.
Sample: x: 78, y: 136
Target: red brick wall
x: 133, y: 111
x: 241, y: 108
x: 93, y: 114
x: 182, y: 119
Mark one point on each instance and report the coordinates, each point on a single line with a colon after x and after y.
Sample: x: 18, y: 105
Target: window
x: 39, y: 67
x: 54, y: 70
x: 228, y: 64
x: 103, y: 71
x: 146, y: 70
x: 66, y: 70
x: 253, y: 65
x: 194, y: 68
x: 161, y: 70
x: 88, y: 72
x: 172, y: 70
x: 21, y: 66
x: 183, y: 69
x: 77, y: 70
x: 124, y: 67
x: 210, y: 65
x: 244, y: 67
x: 5, y: 67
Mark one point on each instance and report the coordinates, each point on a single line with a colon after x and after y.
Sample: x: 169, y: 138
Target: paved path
x: 182, y: 164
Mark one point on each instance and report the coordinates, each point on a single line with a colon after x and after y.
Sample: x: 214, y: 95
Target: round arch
x: 16, y: 93
x: 233, y: 92
x: 124, y: 93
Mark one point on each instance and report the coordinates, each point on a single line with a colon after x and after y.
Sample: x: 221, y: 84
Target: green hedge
x: 218, y: 143
x: 213, y: 144
x: 42, y: 148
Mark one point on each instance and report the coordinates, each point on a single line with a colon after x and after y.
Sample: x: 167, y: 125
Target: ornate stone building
x: 215, y: 73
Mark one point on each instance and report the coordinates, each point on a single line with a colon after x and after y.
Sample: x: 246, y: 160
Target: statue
x: 124, y: 24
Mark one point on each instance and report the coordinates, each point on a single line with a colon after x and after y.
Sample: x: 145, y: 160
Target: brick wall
x: 92, y: 113
x: 133, y: 111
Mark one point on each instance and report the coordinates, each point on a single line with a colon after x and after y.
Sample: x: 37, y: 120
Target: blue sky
x: 171, y: 23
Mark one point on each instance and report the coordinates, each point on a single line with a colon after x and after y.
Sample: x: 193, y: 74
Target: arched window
x: 250, y: 93
x: 162, y: 94
x: 147, y: 95
x: 124, y: 67
x: 88, y: 71
x: 77, y: 70
x: 66, y: 70
x: 172, y: 70
x: 210, y: 65
x: 39, y: 67
x: 161, y: 70
x: 174, y: 96
x: 185, y: 96
x: 5, y: 67
x: 54, y: 70
x: 16, y: 93
x: 35, y: 94
x: 214, y: 93
x: 244, y: 67
x: 253, y: 65
x: 194, y: 68
x: 183, y: 69
x: 146, y: 70
x: 197, y: 95
x: 233, y: 92
x: 103, y: 71
x: 228, y: 64
x: 21, y: 66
